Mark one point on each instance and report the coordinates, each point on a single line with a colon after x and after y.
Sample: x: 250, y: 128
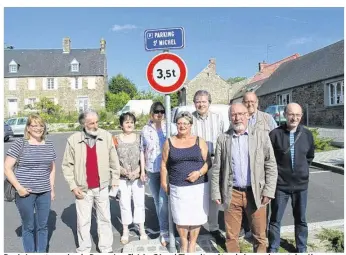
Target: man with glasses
x: 294, y: 151
x: 209, y: 126
x: 258, y: 120
x: 243, y: 178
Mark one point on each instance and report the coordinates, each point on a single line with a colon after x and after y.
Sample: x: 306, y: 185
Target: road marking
x: 315, y: 225
x: 317, y: 172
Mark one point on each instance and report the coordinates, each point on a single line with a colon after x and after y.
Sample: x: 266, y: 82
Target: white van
x: 137, y: 107
x: 221, y: 109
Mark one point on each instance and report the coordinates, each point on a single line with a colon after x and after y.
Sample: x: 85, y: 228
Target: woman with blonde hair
x: 185, y: 160
x: 33, y: 179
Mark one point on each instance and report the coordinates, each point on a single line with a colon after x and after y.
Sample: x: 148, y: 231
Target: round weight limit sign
x: 166, y: 73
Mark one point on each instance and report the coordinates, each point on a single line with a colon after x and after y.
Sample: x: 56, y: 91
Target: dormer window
x: 74, y: 66
x: 13, y: 67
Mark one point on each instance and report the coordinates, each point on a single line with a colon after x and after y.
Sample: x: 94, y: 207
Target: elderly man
x: 294, y: 151
x: 244, y: 176
x: 209, y: 126
x: 90, y: 163
x: 258, y: 119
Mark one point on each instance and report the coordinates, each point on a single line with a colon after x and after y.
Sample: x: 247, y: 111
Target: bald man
x: 294, y: 151
x: 243, y: 178
x: 258, y: 119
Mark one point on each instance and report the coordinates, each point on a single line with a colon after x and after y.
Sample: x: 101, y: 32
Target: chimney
x: 262, y: 65
x: 212, y: 66
x: 103, y: 46
x: 66, y: 45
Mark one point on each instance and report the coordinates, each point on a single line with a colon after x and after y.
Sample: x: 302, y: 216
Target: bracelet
x: 200, y: 173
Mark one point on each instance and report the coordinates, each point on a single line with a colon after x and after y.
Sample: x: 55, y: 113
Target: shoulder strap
x: 289, y: 148
x: 115, y: 141
x: 169, y: 142
x: 197, y: 140
x: 20, y: 153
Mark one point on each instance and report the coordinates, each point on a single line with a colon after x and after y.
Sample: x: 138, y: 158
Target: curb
x: 334, y: 169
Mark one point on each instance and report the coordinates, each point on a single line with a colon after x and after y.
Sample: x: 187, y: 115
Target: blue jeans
x: 278, y: 206
x: 27, y: 206
x: 161, y: 202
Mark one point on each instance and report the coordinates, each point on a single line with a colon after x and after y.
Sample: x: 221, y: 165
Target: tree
x: 121, y: 83
x: 48, y: 106
x: 235, y: 79
x: 115, y: 102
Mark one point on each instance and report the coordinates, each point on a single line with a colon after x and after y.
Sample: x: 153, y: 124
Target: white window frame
x: 332, y: 98
x: 284, y: 95
x: 78, y: 103
x: 74, y: 66
x: 13, y: 67
x: 32, y: 101
x: 50, y: 84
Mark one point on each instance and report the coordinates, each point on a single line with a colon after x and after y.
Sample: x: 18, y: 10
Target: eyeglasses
x: 37, y: 126
x: 184, y: 124
x: 249, y: 102
x: 240, y: 114
x: 159, y: 111
x: 291, y: 115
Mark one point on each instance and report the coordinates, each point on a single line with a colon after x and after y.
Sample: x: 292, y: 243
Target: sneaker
x: 219, y: 237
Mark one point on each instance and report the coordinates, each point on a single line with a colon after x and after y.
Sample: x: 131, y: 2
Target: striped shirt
x: 240, y: 160
x: 292, y: 148
x: 34, y: 166
x: 208, y: 127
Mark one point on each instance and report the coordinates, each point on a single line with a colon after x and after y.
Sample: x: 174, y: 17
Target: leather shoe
x: 219, y: 237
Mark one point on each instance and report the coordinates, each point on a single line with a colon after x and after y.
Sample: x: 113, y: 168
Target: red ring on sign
x: 174, y: 87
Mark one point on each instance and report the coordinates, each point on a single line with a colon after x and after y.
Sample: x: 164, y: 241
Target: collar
x: 152, y: 124
x: 284, y: 126
x: 200, y: 117
x: 84, y: 137
x: 234, y: 134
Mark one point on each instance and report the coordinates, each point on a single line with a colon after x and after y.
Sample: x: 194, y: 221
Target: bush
x: 321, y: 144
x: 335, y: 239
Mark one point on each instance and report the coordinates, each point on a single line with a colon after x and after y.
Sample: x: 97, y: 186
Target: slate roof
x: 249, y: 87
x: 319, y: 65
x: 53, y: 62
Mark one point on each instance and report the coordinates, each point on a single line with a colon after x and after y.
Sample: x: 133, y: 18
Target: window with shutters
x: 12, y: 84
x: 50, y: 83
x: 76, y: 85
x: 32, y: 84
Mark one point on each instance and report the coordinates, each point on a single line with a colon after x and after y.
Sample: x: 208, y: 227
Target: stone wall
x: 64, y: 95
x: 209, y: 80
x: 311, y: 98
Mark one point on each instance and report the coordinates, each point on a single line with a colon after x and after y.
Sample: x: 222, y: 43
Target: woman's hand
x: 193, y: 176
x: 23, y: 192
x: 52, y: 195
x: 165, y: 187
x: 143, y: 177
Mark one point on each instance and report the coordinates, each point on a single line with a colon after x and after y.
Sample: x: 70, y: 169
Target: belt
x: 247, y: 188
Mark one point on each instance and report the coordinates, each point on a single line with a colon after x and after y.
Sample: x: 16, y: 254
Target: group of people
x: 251, y: 166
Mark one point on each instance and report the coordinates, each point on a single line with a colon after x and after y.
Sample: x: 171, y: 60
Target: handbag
x: 9, y: 190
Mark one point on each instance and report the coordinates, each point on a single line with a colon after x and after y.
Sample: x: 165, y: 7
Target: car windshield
x: 281, y: 108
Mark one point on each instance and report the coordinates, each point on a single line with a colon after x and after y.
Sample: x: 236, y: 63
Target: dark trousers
x: 27, y: 206
x: 278, y: 206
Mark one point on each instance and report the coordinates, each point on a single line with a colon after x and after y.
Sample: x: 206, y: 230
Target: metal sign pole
x: 171, y: 246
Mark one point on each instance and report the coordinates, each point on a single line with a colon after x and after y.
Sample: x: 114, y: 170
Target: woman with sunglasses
x: 153, y: 136
x: 34, y: 182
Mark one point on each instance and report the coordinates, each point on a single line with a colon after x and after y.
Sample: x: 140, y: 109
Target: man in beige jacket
x: 90, y: 165
x: 243, y: 177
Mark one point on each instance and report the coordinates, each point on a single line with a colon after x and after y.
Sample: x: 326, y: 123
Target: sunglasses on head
x: 159, y: 111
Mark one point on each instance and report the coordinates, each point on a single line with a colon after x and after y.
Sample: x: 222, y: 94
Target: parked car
x: 8, y: 133
x: 277, y: 111
x: 221, y: 109
x: 17, y: 125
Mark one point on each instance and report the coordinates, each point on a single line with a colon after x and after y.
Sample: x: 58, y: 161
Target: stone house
x: 265, y: 70
x: 208, y: 80
x: 315, y: 81
x: 73, y: 78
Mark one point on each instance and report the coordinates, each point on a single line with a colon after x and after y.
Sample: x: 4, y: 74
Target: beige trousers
x: 84, y: 206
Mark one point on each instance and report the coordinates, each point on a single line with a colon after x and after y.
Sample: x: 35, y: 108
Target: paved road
x: 326, y: 202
